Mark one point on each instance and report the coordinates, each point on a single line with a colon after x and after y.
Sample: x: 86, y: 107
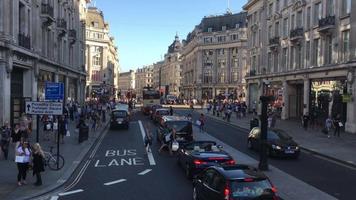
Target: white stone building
x: 127, y: 83
x: 156, y: 74
x: 171, y: 69
x: 214, y: 58
x: 102, y: 62
x: 40, y: 41
x: 143, y: 78
x: 302, y: 53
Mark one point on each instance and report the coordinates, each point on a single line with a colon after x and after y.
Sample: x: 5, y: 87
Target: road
x: 326, y: 175
x: 113, y: 171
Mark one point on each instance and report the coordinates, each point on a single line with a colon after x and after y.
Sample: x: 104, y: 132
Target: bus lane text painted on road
x: 122, y: 157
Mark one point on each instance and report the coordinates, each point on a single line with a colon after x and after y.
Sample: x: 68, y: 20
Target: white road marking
x: 335, y: 162
x: 70, y: 192
x: 114, y: 182
x: 54, y: 197
x: 145, y: 172
x: 149, y: 154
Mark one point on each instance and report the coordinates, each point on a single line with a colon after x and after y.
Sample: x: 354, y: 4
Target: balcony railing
x: 274, y: 41
x: 296, y: 34
x: 72, y: 34
x: 24, y: 41
x: 326, y: 23
x: 47, y: 9
x: 62, y: 24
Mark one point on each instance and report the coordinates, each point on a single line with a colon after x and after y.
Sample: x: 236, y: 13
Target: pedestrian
x: 167, y: 139
x: 38, y: 163
x: 202, y: 122
x: 23, y: 155
x: 328, y: 125
x: 170, y: 110
x: 337, y: 125
x: 5, y: 139
x: 62, y: 128
x: 269, y: 120
x: 305, y: 121
x: 148, y: 139
x: 47, y: 127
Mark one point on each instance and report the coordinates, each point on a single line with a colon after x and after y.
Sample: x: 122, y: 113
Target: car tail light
x: 226, y: 193
x: 230, y: 162
x: 274, y: 189
x: 199, y: 162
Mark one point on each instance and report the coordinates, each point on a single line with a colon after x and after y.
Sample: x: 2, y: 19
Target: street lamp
x: 263, y: 164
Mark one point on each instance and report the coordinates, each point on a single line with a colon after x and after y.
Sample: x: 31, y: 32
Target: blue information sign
x: 54, y: 91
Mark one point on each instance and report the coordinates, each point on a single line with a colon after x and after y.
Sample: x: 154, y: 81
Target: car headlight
x: 297, y: 147
x: 276, y: 147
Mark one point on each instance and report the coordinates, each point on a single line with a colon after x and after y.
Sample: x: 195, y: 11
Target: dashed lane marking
x: 144, y: 172
x: 149, y: 154
x: 70, y: 192
x: 114, y: 182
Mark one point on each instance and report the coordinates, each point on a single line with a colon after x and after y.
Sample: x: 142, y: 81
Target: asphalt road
x: 328, y: 176
x: 113, y: 170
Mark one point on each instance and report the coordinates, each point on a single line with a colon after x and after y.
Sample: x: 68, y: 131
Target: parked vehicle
x: 237, y: 182
x: 195, y: 156
x: 120, y: 118
x: 159, y: 113
x: 183, y: 127
x: 279, y: 143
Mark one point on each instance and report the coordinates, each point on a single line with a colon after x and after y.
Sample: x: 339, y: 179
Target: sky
x: 143, y: 29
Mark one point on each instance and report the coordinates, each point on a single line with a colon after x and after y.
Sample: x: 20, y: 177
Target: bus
x: 150, y: 97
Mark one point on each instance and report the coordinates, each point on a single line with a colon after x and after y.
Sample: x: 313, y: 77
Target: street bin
x: 83, y: 133
x: 254, y: 123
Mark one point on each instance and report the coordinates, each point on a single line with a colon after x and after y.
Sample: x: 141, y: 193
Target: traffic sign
x: 44, y: 108
x: 54, y: 91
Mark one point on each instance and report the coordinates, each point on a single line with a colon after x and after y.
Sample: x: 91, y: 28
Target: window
x: 345, y: 45
x: 208, y: 75
x: 285, y: 27
x: 234, y: 74
x: 270, y: 9
x: 210, y: 29
x: 316, y: 50
x: 221, y: 51
x: 276, y: 29
x: 277, y: 5
x: 292, y: 61
x: 308, y: 17
x: 346, y: 7
x: 307, y: 52
x: 299, y: 56
x: 285, y: 3
x: 284, y: 58
x: 208, y: 40
x: 270, y: 35
x: 95, y: 75
x: 317, y: 13
x: 330, y: 8
x: 269, y: 63
x: 275, y: 62
x: 96, y: 24
x: 329, y: 49
x: 292, y: 22
x: 234, y: 37
x: 299, y: 19
x: 221, y: 38
x: 223, y: 28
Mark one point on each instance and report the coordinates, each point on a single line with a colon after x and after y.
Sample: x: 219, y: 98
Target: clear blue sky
x: 143, y: 29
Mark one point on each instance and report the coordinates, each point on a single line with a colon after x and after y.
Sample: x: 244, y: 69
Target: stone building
x: 102, y: 62
x: 126, y: 82
x: 156, y: 74
x: 40, y: 41
x: 214, y: 58
x: 302, y: 53
x: 171, y: 69
x: 143, y: 78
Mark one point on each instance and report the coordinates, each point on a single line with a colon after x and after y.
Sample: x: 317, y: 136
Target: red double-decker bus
x: 150, y: 97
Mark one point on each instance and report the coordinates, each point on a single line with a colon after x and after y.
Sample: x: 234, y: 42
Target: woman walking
x: 22, y: 159
x: 38, y: 163
x: 337, y: 125
x: 16, y: 136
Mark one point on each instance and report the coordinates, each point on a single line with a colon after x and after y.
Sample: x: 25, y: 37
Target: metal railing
x: 62, y: 23
x: 327, y: 21
x: 297, y: 32
x: 47, y: 9
x: 24, y: 41
x: 274, y: 41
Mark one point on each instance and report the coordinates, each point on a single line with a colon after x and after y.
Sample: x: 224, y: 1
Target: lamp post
x: 263, y: 164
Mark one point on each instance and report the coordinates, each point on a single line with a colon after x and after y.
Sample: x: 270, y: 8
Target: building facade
x: 214, y: 58
x: 143, y: 78
x: 102, y: 63
x: 171, y: 69
x: 40, y: 41
x: 301, y: 53
x: 126, y: 83
x: 157, y: 67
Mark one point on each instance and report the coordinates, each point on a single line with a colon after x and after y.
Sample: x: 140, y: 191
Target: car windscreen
x: 253, y: 189
x: 201, y: 145
x: 120, y: 114
x: 164, y: 112
x: 277, y: 135
x: 180, y: 126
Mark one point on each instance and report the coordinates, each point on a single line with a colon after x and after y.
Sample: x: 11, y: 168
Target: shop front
x: 253, y: 93
x: 43, y: 77
x: 326, y: 99
x: 72, y: 90
x: 275, y: 90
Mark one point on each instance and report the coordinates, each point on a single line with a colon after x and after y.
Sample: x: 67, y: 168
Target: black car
x: 119, y: 118
x: 198, y: 155
x: 279, y: 143
x: 183, y: 127
x: 237, y: 182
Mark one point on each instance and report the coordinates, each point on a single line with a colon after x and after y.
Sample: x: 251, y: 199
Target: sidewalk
x: 341, y: 149
x: 71, y: 150
x: 288, y: 187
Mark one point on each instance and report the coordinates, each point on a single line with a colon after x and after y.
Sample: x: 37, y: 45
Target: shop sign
x: 346, y: 98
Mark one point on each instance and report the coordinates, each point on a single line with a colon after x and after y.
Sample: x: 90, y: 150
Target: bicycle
x: 51, y: 160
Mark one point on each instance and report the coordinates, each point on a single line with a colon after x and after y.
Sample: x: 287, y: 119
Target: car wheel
x: 249, y: 144
x: 188, y: 172
x: 195, y: 193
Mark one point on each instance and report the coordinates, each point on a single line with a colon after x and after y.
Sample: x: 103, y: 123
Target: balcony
x: 47, y: 14
x: 326, y: 24
x: 62, y: 27
x: 251, y: 73
x: 24, y: 41
x: 274, y: 42
x: 72, y: 36
x: 296, y: 34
